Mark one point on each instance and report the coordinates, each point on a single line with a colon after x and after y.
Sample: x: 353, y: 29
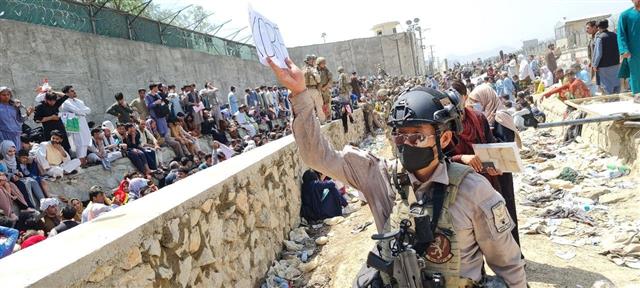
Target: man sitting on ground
x: 67, y: 223
x: 53, y: 159
x: 50, y: 213
x: 97, y: 205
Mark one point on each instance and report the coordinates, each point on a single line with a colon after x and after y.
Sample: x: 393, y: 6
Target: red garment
x: 32, y: 240
x: 473, y: 132
x: 120, y: 193
x: 577, y: 89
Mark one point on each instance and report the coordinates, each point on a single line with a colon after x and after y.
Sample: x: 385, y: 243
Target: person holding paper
x: 424, y: 121
x: 478, y: 131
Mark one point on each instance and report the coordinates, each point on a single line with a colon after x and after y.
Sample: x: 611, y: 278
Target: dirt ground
x: 342, y: 257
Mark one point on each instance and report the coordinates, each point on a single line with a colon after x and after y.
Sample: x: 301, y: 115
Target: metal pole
x: 589, y: 120
x: 93, y: 19
x: 413, y: 54
x: 432, y: 59
x: 398, y: 51
x: 421, y: 51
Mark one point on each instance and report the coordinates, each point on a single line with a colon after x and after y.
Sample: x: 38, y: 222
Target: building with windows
x: 387, y: 28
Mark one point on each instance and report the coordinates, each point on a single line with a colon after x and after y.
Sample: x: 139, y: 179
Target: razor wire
x: 112, y: 23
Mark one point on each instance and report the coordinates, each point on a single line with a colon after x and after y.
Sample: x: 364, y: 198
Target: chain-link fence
x: 112, y: 23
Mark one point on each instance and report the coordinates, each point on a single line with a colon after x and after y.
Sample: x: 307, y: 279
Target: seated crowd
x: 182, y: 121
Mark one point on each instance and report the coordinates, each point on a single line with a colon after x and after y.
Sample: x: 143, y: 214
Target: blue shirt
x: 9, y: 119
x: 233, y: 103
x: 499, y: 87
x: 509, y: 87
x: 9, y: 240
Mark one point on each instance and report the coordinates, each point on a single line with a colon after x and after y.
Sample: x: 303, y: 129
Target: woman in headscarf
x: 320, y: 199
x: 11, y: 117
x: 122, y: 193
x: 77, y: 204
x: 9, y: 194
x: 29, y: 187
x: 499, y: 127
x: 136, y: 185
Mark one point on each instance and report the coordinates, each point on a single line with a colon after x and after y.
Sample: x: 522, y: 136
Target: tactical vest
x: 311, y: 77
x: 443, y: 254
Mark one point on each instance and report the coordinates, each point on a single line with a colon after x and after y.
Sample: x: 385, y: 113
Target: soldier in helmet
x: 470, y: 223
x: 312, y: 82
x: 326, y: 79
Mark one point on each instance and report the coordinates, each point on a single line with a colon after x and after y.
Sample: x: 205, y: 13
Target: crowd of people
x: 496, y: 101
x: 65, y: 141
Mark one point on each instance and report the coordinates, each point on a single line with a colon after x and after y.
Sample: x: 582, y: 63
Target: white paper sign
x: 268, y: 39
x: 504, y: 156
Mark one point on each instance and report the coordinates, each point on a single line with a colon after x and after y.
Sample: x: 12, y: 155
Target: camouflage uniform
x: 312, y: 80
x: 326, y: 79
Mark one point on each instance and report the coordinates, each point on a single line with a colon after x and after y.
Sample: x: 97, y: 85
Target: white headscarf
x: 48, y: 202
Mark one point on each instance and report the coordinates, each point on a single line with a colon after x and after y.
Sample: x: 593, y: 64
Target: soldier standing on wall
x: 459, y: 218
x: 312, y: 81
x: 326, y: 79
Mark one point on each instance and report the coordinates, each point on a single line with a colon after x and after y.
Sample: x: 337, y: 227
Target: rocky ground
x: 578, y: 217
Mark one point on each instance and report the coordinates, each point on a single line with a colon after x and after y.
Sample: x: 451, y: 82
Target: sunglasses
x: 412, y: 139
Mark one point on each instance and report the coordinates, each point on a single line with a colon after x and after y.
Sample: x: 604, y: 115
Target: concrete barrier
x: 612, y: 137
x: 222, y: 227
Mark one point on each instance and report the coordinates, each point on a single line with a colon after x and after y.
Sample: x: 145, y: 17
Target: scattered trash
x: 623, y: 248
x: 566, y: 255
x: 361, y: 227
x: 570, y: 175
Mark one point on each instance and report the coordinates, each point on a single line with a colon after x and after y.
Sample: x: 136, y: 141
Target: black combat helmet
x: 423, y: 105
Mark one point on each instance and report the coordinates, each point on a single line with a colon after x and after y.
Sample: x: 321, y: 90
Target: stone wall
x: 363, y: 55
x: 611, y: 137
x: 222, y: 227
x: 99, y: 67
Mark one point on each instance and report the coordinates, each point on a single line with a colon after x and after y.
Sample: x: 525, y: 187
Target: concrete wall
x: 611, y: 137
x: 363, y: 55
x: 222, y: 227
x: 98, y: 67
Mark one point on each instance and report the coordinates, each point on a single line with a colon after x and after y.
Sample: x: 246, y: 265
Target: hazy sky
x: 458, y: 27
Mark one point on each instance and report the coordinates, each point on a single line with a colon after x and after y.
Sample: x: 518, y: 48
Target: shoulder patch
x: 439, y: 251
x: 501, y: 218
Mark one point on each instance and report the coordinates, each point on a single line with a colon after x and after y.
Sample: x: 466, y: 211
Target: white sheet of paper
x: 268, y: 39
x: 504, y: 156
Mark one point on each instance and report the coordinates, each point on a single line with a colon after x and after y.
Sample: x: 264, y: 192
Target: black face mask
x: 416, y: 158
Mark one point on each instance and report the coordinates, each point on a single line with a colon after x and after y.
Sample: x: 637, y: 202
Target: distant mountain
x: 481, y: 55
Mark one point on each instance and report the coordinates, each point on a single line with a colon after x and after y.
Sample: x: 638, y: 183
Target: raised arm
x: 358, y: 168
x: 313, y: 148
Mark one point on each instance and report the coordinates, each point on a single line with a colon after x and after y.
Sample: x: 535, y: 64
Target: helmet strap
x: 441, y: 155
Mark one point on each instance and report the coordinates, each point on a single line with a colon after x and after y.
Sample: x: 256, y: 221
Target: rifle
x: 407, y: 268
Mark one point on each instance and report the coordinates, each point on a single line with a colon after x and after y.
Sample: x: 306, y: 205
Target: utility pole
x: 431, y: 61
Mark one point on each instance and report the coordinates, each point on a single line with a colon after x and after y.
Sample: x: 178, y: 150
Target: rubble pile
x: 570, y: 193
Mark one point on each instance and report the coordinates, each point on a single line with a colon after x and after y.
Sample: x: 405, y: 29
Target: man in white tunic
x: 81, y: 136
x: 245, y: 121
